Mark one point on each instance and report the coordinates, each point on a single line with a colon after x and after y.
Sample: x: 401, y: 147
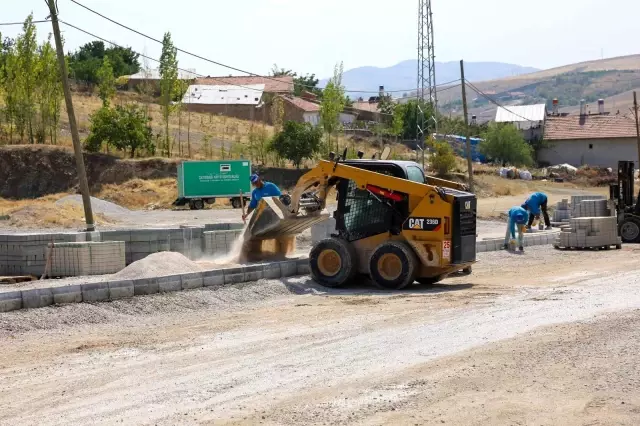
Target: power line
x: 153, y: 59
x: 211, y: 60
x: 3, y: 24
x: 493, y: 101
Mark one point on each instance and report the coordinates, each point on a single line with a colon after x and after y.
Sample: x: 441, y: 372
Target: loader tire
x: 332, y: 262
x: 393, y: 265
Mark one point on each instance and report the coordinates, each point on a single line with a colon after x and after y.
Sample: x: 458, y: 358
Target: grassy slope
x: 621, y: 100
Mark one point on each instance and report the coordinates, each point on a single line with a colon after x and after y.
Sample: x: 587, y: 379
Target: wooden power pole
x: 75, y: 137
x: 635, y: 114
x: 466, y: 126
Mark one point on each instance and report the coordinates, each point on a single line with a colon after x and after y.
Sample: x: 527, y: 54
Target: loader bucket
x: 272, y: 230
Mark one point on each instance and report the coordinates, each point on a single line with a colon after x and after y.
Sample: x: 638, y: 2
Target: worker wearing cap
x: 536, y: 203
x: 261, y: 189
x: 517, y: 216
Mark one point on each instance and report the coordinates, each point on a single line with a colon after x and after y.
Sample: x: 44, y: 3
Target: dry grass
x: 138, y: 194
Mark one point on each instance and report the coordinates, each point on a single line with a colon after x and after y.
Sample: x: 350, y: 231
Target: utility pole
x: 75, y: 137
x: 635, y: 113
x: 466, y: 125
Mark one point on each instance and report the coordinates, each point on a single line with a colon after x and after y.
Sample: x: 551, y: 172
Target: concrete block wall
x: 586, y: 232
x: 219, y: 242
x: 535, y: 239
x: 26, y: 253
x: 86, y: 258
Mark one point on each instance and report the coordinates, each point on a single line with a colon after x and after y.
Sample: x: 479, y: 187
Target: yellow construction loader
x: 393, y: 223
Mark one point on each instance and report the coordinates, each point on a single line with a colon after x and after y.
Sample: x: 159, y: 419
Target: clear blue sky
x: 312, y: 36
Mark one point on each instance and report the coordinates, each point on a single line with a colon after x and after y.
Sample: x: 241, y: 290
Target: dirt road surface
x: 547, y: 338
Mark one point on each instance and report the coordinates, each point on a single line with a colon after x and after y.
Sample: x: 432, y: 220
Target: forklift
x: 621, y: 196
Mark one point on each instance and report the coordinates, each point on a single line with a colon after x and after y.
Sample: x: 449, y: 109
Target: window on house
x: 590, y: 146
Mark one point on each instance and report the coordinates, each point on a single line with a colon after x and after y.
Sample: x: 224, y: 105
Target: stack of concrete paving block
x: 219, y: 242
x: 562, y: 211
x: 594, y: 205
x: 26, y: 254
x: 584, y: 232
x: 591, y: 208
x: 86, y: 258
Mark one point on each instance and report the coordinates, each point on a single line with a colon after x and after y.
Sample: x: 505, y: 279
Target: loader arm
x: 364, y: 179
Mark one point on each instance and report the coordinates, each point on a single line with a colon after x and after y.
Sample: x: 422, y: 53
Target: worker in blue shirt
x: 534, y: 204
x: 261, y: 189
x: 517, y: 216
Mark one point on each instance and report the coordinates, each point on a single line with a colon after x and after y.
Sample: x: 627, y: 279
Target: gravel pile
x: 157, y: 265
x: 99, y: 206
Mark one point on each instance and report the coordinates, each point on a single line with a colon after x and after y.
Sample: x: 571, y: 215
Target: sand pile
x: 97, y: 205
x: 157, y: 265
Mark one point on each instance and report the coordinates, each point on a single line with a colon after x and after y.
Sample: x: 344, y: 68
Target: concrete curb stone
x: 10, y: 301
x: 67, y: 294
x: 213, y: 278
x: 37, y: 298
x: 169, y: 284
x: 145, y: 286
x: 121, y: 289
x: 191, y: 281
x: 234, y: 275
x: 95, y: 292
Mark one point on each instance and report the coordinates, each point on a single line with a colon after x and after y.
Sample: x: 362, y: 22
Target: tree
x: 168, y: 84
x: 276, y: 71
x: 410, y: 116
x: 85, y: 62
x: 333, y: 102
x: 26, y: 77
x: 504, y: 143
x: 124, y: 127
x: 442, y: 158
x: 385, y: 105
x: 308, y: 83
x: 277, y: 113
x: 49, y: 93
x: 297, y: 142
x: 397, y: 125
x: 106, y: 82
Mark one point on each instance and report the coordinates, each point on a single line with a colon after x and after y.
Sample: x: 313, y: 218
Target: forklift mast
x: 622, y: 192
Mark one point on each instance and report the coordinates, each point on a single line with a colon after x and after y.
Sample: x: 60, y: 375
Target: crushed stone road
x: 549, y: 337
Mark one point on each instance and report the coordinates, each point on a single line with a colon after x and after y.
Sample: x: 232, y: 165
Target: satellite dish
x: 385, y: 153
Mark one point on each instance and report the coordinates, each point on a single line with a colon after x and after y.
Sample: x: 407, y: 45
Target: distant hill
x: 403, y: 76
x: 611, y: 79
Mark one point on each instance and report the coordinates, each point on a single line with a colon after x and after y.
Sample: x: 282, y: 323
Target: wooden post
x: 75, y: 137
x: 242, y: 206
x: 466, y: 126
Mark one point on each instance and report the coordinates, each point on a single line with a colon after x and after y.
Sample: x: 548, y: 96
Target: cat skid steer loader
x: 392, y: 223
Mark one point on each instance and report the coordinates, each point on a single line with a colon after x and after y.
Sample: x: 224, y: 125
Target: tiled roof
x: 589, y: 127
x: 282, y: 84
x: 303, y: 104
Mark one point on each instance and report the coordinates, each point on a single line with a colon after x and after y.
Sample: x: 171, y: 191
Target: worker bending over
x: 534, y: 204
x: 261, y: 189
x: 517, y: 217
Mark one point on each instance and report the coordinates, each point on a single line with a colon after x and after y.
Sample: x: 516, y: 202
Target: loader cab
x: 360, y: 214
x: 401, y: 169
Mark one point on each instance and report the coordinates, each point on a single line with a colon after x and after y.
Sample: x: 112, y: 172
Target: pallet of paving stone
x: 17, y: 279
